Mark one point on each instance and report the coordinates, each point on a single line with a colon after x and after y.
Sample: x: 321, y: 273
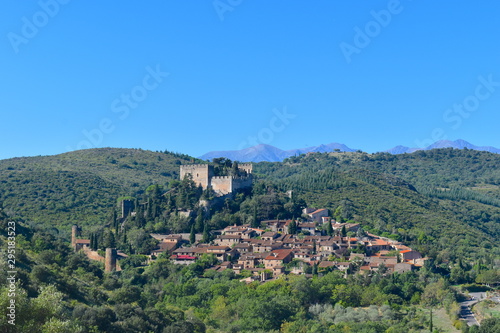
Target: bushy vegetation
x: 62, y: 291
x: 443, y: 203
x: 81, y: 186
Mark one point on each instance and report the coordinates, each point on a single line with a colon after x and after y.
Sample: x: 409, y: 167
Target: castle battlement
x: 194, y: 166
x: 242, y: 177
x: 222, y: 177
x: 203, y: 174
x: 245, y: 165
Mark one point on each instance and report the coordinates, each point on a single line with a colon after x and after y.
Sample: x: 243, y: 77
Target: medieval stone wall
x: 222, y: 185
x: 203, y: 174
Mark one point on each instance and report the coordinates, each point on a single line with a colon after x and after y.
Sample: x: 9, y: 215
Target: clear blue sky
x: 85, y: 66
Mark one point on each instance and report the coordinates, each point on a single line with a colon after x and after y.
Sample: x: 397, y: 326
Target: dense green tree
x: 292, y: 227
x: 192, y: 235
x: 206, y: 235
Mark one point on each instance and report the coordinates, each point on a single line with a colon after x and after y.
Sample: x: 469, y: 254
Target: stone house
x: 278, y: 258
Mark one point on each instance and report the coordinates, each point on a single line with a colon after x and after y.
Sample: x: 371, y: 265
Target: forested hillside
x: 81, y: 186
x: 62, y: 291
x: 439, y: 199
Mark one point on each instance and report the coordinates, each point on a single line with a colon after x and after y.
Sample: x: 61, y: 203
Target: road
x: 465, y: 308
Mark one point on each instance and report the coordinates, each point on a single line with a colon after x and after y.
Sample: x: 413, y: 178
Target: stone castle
x: 110, y: 264
x: 204, y: 175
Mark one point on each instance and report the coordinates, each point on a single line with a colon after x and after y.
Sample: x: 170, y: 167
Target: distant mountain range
x: 458, y: 144
x: 268, y: 153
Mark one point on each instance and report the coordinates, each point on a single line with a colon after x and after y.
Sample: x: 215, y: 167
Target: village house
x: 309, y: 227
x: 278, y: 270
x: 269, y: 236
x: 248, y: 261
x: 326, y: 219
x: 327, y: 246
x: 343, y: 266
x: 278, y: 258
x: 228, y: 240
x: 304, y: 256
x: 264, y: 246
x: 222, y: 253
x: 325, y: 266
x: 403, y: 267
x: 377, y: 244
x: 353, y: 227
x: 188, y: 251
x: 76, y: 243
x: 280, y: 226
x: 243, y: 248
x: 164, y: 247
x: 288, y: 241
x: 167, y: 244
x: 183, y: 259
x: 82, y: 244
x: 409, y: 255
x: 316, y: 215
x: 244, y: 231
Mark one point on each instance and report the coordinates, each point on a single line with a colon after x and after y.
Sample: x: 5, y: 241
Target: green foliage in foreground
x: 61, y: 291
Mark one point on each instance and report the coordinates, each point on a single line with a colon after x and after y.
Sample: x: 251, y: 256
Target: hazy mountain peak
x: 268, y: 153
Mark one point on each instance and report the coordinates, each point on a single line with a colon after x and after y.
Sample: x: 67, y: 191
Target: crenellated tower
x: 204, y: 175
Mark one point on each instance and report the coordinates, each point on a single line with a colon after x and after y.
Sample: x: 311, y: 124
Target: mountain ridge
x: 268, y: 153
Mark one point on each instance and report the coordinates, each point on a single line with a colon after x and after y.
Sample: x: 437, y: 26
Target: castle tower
x: 248, y: 167
x: 127, y: 206
x: 110, y: 260
x: 204, y: 175
x: 201, y: 173
x: 74, y: 234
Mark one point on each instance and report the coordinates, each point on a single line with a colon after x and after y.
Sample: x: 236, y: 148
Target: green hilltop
x: 81, y: 186
x: 443, y: 198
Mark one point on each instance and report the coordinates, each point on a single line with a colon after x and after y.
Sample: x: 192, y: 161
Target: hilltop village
x: 312, y: 244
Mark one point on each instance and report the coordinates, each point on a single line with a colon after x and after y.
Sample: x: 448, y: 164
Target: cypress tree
x: 254, y: 223
x: 199, y: 221
x: 192, y: 235
x: 329, y: 228
x: 206, y: 236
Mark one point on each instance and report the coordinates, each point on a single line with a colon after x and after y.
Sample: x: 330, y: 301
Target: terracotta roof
x: 378, y: 241
x: 324, y: 264
x: 183, y: 257
x: 242, y: 245
x: 307, y: 225
x: 279, y: 254
x: 317, y: 211
x: 82, y: 241
x: 229, y: 237
x: 187, y: 249
x: 220, y: 248
x: 164, y: 246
